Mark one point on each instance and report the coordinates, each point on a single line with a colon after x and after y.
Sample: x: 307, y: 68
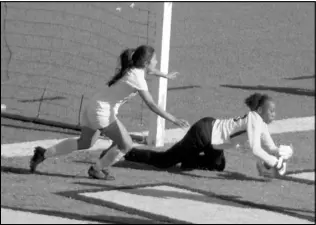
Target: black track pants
x: 193, y: 151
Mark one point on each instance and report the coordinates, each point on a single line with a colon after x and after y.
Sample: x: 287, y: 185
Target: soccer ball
x: 267, y: 171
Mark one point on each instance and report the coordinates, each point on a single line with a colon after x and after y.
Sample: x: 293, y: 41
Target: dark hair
x: 256, y: 100
x: 132, y: 58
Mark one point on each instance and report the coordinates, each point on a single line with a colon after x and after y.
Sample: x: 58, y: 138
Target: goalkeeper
x: 211, y: 136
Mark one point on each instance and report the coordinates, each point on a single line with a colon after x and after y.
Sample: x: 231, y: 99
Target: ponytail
x: 256, y: 100
x: 125, y: 64
x: 132, y: 58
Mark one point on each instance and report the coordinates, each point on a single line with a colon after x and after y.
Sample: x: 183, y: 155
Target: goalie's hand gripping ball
x: 285, y: 151
x: 267, y: 171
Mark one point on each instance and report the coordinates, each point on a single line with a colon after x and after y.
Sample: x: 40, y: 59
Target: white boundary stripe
x: 172, y: 135
x: 9, y: 216
x: 303, y: 175
x: 292, y: 125
x: 27, y: 148
x: 169, y: 201
x: 3, y: 107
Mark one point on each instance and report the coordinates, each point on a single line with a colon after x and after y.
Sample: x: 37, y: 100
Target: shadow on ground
x: 183, y: 87
x: 16, y: 170
x: 31, y: 127
x: 300, y: 78
x: 212, y: 197
x: 225, y: 175
x: 75, y: 216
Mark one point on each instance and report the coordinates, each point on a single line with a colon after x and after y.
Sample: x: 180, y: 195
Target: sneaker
x: 108, y: 175
x: 37, y: 158
x: 95, y: 174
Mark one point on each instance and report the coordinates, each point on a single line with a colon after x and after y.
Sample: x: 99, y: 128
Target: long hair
x: 132, y: 58
x: 125, y: 63
x: 256, y: 100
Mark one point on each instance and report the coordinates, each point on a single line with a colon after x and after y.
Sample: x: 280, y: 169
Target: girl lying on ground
x: 210, y: 136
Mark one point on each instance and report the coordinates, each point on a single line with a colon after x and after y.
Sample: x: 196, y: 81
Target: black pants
x: 194, y: 151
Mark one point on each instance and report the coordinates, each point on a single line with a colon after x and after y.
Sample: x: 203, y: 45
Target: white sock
x: 111, y: 157
x: 62, y: 148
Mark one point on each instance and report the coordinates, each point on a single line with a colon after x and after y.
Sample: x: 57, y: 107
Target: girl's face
x: 267, y: 111
x: 153, y: 63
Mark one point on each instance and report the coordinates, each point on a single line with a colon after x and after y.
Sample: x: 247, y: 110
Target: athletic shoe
x: 103, y: 175
x: 37, y: 158
x: 107, y: 174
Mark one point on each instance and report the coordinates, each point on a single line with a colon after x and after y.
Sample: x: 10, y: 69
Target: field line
x: 172, y: 135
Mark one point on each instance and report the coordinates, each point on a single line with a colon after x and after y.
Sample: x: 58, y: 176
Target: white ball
x: 285, y: 151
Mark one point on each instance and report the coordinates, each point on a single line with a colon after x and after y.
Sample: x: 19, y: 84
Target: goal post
x: 162, y: 46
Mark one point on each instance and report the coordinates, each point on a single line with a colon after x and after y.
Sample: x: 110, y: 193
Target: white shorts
x: 97, y: 118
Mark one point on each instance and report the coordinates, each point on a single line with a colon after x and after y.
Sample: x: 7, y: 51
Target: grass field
x: 61, y: 179
x: 220, y: 65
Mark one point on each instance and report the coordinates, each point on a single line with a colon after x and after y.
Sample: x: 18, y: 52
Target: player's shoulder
x: 136, y: 79
x: 254, y: 115
x: 134, y: 75
x: 136, y: 72
x: 254, y: 118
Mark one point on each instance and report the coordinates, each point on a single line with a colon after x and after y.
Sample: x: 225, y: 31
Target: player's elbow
x: 256, y: 150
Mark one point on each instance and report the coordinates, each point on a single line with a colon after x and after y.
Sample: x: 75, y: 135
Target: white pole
x: 163, y: 28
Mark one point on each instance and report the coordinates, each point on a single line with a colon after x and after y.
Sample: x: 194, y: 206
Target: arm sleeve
x: 267, y: 140
x: 136, y: 79
x: 254, y: 129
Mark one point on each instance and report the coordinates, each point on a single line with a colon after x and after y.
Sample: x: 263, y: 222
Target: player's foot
x: 107, y: 174
x: 97, y: 174
x: 37, y: 158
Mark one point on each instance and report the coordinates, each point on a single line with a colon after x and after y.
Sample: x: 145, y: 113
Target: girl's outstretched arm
x: 268, y: 142
x: 146, y: 96
x: 254, y: 136
x: 158, y: 73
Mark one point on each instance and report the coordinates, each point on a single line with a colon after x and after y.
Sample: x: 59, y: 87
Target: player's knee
x: 126, y: 146
x: 220, y: 162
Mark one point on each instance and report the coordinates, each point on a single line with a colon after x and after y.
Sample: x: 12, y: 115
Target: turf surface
x: 241, y: 49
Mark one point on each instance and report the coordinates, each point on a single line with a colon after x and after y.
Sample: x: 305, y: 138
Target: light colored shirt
x: 111, y: 98
x: 228, y: 133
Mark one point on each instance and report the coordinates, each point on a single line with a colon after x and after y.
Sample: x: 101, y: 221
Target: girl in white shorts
x: 100, y: 113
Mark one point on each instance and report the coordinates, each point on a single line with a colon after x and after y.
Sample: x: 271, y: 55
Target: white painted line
x: 169, y: 202
x: 172, y: 136
x: 9, y: 216
x: 27, y: 148
x: 3, y: 107
x: 292, y: 125
x: 304, y: 175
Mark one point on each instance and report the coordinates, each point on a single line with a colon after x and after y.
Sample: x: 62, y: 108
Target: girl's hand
x: 172, y: 75
x: 182, y: 123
